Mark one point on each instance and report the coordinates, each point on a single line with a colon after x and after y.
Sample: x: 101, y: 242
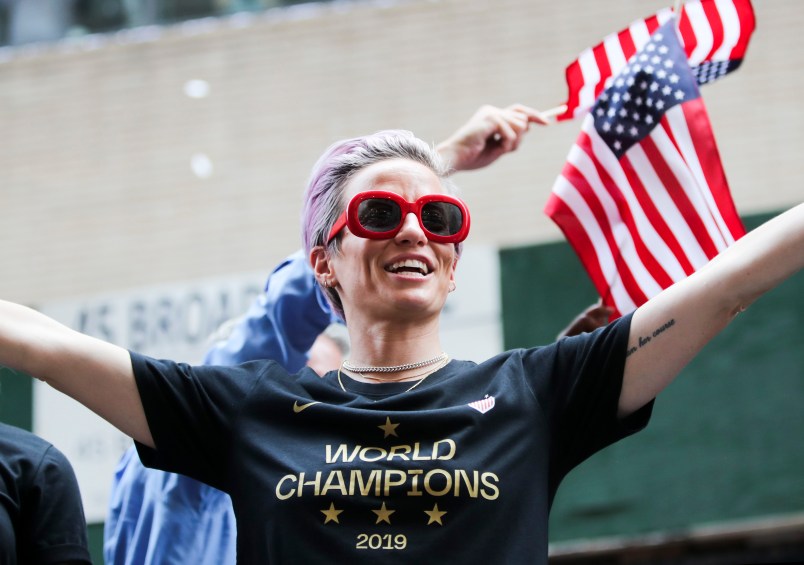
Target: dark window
x: 29, y: 21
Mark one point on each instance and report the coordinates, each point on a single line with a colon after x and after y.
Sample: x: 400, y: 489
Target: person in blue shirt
x: 157, y: 517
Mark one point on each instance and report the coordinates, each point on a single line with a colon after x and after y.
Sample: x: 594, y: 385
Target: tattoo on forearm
x: 643, y: 341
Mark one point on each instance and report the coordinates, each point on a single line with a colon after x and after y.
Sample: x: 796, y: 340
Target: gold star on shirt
x: 331, y: 514
x: 435, y: 515
x: 388, y: 428
x: 383, y: 514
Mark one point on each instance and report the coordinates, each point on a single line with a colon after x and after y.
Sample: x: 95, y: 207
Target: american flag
x: 715, y: 35
x: 643, y: 198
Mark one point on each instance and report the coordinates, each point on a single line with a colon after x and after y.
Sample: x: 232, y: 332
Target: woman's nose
x: 411, y: 231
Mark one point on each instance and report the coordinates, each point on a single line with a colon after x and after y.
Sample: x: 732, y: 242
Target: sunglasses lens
x: 442, y: 218
x: 379, y: 215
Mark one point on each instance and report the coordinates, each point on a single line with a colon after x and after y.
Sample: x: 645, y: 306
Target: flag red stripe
x: 688, y: 246
x: 655, y: 216
x: 745, y: 12
x: 716, y: 25
x: 698, y: 166
x: 602, y: 61
x: 582, y: 187
x: 578, y: 239
x: 585, y: 190
x: 575, y: 82
x: 653, y: 24
x: 688, y: 37
x: 701, y: 169
x: 708, y: 155
x: 678, y: 194
x: 692, y: 185
x: 652, y: 266
x: 626, y: 44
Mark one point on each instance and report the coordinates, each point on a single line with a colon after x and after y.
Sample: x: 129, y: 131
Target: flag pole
x: 677, y: 13
x: 553, y: 112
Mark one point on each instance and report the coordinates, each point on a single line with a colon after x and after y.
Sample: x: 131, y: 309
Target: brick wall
x: 96, y: 188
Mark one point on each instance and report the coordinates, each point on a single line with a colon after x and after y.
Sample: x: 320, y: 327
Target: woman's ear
x: 322, y: 266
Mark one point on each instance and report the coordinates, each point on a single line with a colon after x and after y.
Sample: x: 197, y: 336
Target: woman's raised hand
x: 490, y: 133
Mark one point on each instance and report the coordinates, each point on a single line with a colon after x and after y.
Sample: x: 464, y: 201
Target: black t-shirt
x: 41, y: 515
x: 462, y: 468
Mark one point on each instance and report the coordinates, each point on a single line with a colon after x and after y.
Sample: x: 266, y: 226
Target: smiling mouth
x: 409, y: 266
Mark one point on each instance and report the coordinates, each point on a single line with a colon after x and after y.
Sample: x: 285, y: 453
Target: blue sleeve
x: 282, y: 323
x: 166, y: 518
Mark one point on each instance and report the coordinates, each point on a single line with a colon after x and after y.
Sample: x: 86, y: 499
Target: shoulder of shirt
x: 21, y: 440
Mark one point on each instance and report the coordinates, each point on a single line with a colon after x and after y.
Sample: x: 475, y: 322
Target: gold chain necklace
x: 394, y: 368
x: 426, y: 374
x: 400, y: 379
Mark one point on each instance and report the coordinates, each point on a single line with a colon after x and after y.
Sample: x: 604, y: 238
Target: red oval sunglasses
x: 378, y: 214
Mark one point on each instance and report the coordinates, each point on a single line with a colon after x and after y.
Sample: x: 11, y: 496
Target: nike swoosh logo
x: 299, y: 407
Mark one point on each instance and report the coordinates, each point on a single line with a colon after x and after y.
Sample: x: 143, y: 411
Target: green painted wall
x: 725, y: 440
x: 95, y: 532
x: 16, y: 399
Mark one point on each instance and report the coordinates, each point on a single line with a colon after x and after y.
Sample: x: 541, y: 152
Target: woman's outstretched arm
x: 671, y: 328
x: 95, y: 373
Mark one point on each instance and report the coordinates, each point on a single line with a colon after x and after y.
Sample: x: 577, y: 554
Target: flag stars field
x: 661, y: 89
